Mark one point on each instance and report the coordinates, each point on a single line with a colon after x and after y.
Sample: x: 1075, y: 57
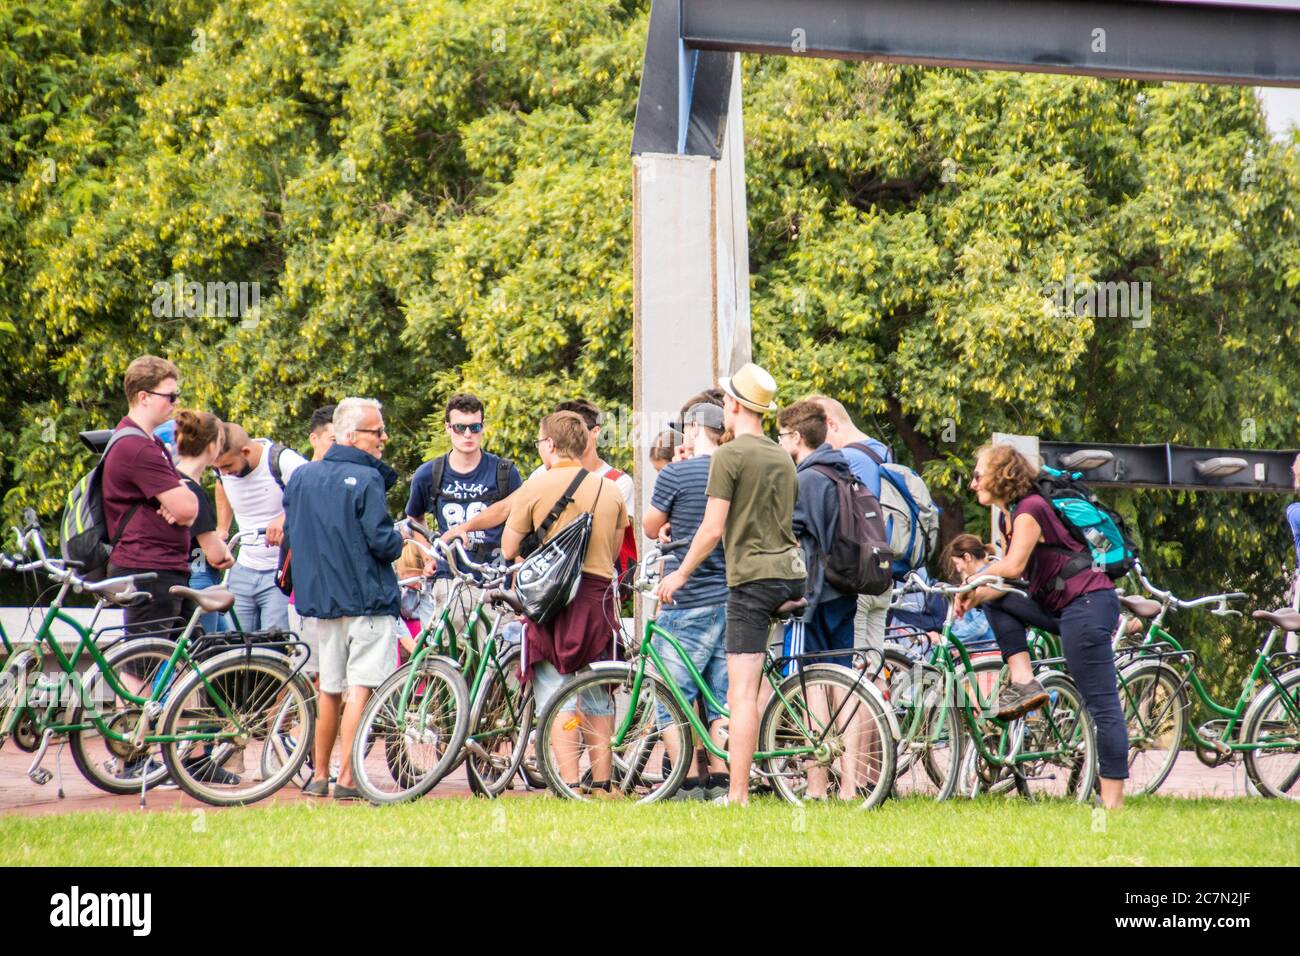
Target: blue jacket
x: 816, y: 511
x: 342, y: 537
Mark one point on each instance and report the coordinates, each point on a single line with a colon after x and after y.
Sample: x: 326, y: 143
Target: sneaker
x: 688, y: 794
x: 1017, y: 699
x: 204, y: 772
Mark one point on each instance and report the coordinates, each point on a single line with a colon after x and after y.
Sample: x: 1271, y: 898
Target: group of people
x: 760, y: 516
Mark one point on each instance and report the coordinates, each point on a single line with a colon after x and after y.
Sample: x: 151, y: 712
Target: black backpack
x: 859, y: 560
x: 84, y: 537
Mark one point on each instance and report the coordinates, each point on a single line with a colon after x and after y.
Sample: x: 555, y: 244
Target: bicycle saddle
x: 791, y: 608
x: 1142, y: 607
x: 1283, y: 617
x: 497, y: 596
x: 214, y: 598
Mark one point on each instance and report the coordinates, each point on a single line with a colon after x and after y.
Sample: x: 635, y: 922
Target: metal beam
x: 1174, y: 466
x: 1198, y: 42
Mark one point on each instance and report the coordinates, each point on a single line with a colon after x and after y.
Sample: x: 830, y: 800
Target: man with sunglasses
x: 459, y: 485
x: 147, y: 509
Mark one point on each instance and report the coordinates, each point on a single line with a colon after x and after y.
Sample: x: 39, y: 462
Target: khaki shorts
x: 305, y: 628
x: 355, y: 651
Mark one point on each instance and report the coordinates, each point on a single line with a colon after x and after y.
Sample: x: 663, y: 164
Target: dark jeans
x: 164, y: 605
x: 1085, y: 626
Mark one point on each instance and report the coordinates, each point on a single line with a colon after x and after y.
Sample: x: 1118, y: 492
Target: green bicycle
x: 1156, y: 674
x: 940, y: 705
x: 824, y: 727
x: 205, y: 712
x: 501, y: 709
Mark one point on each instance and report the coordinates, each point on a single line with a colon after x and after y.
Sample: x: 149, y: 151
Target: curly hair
x: 1008, y: 475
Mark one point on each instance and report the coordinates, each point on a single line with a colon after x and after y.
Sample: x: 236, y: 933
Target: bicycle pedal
x: 40, y: 776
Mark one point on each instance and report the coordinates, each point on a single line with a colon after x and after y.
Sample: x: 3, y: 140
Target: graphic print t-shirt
x: 460, y: 498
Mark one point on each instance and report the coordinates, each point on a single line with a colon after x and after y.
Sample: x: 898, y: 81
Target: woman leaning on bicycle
x: 1067, y: 597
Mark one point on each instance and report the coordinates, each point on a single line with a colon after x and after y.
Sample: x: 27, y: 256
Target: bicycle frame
x: 648, y: 654
x: 1153, y: 647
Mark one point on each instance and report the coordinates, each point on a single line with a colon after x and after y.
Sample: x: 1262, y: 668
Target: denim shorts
x: 592, y: 701
x: 700, y: 632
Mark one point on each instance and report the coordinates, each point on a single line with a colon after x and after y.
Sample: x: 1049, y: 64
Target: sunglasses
x: 172, y: 397
x: 976, y: 476
x: 473, y: 428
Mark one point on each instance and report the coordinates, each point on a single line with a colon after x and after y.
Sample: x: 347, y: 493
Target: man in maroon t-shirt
x: 146, y: 507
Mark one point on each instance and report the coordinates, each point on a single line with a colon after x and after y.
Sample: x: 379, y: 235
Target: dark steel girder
x: 1203, y: 42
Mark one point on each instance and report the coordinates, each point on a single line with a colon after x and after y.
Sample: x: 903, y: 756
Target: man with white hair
x: 344, y: 545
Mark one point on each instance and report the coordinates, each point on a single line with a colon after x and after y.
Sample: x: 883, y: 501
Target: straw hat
x: 752, y: 387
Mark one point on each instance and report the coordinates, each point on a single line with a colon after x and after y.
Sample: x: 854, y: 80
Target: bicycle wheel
x: 929, y: 743
x: 1156, y: 712
x: 1272, y: 726
x: 577, y: 729
x: 243, y: 697
x: 403, y: 749
x: 116, y: 766
x: 502, y: 717
x: 831, y: 710
x: 1058, y: 753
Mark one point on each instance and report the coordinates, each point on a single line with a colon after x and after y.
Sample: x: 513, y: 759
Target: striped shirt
x: 679, y: 493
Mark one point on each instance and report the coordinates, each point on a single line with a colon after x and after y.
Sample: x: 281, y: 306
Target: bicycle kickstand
x: 58, y: 769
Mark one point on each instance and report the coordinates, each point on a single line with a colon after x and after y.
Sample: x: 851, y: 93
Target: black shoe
x: 1017, y: 699
x: 203, y: 770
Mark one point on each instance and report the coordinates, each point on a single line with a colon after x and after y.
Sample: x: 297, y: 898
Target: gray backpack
x: 911, y: 516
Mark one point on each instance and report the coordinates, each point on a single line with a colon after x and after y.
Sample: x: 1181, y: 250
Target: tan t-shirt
x: 758, y: 478
x: 538, y: 495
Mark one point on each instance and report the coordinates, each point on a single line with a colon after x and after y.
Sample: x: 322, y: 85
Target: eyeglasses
x: 975, y: 477
x: 172, y: 397
x: 473, y: 428
x: 373, y: 431
x: 784, y: 434
x: 540, y: 440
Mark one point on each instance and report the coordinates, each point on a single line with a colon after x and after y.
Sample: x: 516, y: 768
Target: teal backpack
x: 1100, y: 530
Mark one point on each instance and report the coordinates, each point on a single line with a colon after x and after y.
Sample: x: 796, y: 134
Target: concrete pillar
x: 690, y: 267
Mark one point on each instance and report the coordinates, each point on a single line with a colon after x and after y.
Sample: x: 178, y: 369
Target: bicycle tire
x: 420, y: 745
x: 928, y: 761
x: 1269, y: 720
x: 500, y: 719
x: 793, y: 714
x: 1155, y: 710
x: 254, y: 686
x: 643, y: 745
x: 110, y: 765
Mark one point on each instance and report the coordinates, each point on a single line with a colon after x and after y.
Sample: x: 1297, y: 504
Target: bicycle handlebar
x: 63, y: 574
x: 914, y: 582
x: 1169, y: 600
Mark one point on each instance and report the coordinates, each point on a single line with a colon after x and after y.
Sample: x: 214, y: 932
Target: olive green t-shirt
x: 757, y: 477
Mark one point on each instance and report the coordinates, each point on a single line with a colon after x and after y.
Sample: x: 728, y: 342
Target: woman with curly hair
x: 1068, y: 596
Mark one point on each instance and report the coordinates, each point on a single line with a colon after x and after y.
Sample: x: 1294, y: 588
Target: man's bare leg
x: 357, y: 697
x: 327, y: 725
x: 745, y: 677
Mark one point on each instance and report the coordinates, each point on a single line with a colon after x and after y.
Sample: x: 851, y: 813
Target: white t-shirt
x: 257, y: 499
x: 626, y: 487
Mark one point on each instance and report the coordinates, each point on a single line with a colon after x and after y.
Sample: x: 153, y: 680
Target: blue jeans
x: 701, y: 632
x: 259, y: 604
x: 1085, y: 626
x: 201, y: 576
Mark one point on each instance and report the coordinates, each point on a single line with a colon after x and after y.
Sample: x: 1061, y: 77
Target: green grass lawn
x: 990, y: 831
